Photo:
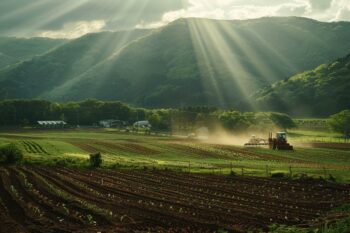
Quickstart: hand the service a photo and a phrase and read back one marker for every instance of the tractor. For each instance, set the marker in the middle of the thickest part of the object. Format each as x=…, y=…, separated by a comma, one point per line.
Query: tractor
x=279, y=142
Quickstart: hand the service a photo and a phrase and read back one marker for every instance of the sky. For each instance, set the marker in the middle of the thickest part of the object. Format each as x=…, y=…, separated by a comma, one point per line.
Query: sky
x=72, y=19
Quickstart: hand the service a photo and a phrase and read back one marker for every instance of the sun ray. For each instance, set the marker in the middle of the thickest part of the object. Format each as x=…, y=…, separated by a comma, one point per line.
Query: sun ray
x=219, y=49
x=202, y=55
x=113, y=44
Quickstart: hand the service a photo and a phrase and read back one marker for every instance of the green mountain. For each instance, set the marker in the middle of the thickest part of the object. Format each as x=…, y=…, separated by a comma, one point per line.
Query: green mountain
x=319, y=92
x=14, y=50
x=34, y=78
x=188, y=62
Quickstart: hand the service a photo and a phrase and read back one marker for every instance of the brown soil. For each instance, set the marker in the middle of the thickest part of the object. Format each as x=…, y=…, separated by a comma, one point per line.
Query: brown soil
x=41, y=199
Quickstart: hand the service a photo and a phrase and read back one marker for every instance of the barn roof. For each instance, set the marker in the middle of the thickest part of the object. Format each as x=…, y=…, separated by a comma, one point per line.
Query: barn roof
x=52, y=123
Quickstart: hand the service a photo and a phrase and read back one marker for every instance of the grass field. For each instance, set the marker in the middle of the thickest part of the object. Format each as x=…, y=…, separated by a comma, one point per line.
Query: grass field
x=72, y=148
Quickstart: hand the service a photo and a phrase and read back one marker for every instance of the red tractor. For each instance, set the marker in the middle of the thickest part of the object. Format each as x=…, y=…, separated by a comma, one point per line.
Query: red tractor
x=280, y=142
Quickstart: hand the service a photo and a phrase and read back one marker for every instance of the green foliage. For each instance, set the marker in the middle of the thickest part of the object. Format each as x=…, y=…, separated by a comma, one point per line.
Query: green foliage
x=339, y=226
x=318, y=92
x=10, y=154
x=237, y=121
x=89, y=112
x=340, y=123
x=14, y=50
x=95, y=160
x=282, y=120
x=181, y=64
x=286, y=229
x=278, y=175
x=63, y=64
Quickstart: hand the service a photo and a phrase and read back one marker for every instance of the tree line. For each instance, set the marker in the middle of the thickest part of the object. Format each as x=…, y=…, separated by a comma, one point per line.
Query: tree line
x=90, y=112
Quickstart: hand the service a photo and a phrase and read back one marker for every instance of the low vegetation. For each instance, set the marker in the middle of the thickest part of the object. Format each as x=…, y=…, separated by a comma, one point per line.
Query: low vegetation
x=95, y=160
x=340, y=123
x=10, y=154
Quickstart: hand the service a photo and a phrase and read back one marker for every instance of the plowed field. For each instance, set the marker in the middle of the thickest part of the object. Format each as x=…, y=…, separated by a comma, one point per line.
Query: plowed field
x=42, y=199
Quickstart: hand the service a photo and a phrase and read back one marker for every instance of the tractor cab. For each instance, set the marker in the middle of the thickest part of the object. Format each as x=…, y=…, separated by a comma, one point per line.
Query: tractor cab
x=281, y=136
x=279, y=142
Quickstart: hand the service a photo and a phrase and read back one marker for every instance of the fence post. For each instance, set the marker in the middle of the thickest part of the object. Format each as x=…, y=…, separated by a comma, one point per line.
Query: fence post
x=325, y=172
x=189, y=167
x=267, y=170
x=231, y=167
x=242, y=171
x=290, y=171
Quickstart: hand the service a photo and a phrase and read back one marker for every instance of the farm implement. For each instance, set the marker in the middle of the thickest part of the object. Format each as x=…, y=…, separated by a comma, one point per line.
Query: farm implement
x=275, y=143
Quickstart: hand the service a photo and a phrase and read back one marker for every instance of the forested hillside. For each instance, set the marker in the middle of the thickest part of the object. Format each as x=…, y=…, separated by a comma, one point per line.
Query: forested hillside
x=186, y=63
x=14, y=50
x=319, y=92
x=44, y=73
x=89, y=112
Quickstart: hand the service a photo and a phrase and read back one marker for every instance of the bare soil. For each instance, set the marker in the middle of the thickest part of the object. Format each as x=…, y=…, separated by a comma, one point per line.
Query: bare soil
x=42, y=199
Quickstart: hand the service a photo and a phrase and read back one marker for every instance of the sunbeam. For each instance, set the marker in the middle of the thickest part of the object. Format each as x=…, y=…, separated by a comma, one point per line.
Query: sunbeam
x=218, y=48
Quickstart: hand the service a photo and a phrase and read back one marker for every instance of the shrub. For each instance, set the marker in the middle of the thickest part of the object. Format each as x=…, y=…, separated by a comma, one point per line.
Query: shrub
x=95, y=160
x=10, y=154
x=278, y=175
x=340, y=226
x=232, y=173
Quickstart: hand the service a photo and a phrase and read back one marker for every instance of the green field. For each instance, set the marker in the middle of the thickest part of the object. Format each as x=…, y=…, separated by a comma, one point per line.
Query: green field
x=122, y=150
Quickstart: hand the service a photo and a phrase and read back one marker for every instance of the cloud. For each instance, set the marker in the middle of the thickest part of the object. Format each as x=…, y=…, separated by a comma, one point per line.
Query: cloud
x=320, y=4
x=343, y=14
x=323, y=10
x=26, y=18
x=75, y=29
x=233, y=9
x=60, y=18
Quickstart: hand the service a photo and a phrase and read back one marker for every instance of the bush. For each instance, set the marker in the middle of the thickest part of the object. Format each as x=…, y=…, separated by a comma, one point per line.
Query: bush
x=10, y=154
x=232, y=173
x=278, y=175
x=340, y=226
x=341, y=123
x=95, y=160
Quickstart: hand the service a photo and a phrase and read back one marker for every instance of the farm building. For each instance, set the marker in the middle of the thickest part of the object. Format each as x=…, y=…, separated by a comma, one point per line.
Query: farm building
x=52, y=124
x=112, y=123
x=142, y=125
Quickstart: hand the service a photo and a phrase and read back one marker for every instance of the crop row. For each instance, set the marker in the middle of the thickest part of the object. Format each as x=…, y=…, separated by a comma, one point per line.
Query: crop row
x=33, y=148
x=40, y=199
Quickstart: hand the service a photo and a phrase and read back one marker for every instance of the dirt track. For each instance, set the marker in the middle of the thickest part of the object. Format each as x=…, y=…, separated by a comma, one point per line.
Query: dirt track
x=41, y=199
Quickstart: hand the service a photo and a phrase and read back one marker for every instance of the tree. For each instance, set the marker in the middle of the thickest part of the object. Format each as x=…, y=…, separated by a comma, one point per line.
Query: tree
x=340, y=122
x=282, y=120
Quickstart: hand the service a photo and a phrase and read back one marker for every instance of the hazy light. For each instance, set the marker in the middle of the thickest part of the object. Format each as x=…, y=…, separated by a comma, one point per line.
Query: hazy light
x=76, y=29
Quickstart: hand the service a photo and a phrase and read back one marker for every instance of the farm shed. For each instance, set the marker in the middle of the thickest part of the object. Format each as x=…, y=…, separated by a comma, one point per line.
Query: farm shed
x=112, y=123
x=142, y=125
x=52, y=124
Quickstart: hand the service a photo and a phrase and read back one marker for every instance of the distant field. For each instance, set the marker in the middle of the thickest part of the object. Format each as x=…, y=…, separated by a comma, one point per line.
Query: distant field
x=120, y=150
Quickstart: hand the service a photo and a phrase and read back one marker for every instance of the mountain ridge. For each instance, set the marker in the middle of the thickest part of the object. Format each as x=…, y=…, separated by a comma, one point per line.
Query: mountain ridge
x=318, y=92
x=198, y=62
x=16, y=50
